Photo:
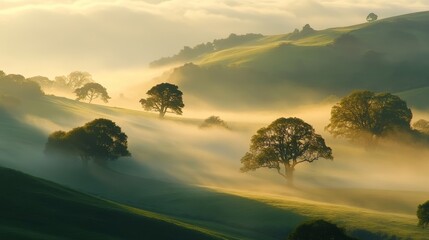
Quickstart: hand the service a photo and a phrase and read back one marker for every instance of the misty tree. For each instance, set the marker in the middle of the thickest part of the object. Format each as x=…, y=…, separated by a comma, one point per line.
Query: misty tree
x=422, y=126
x=214, y=121
x=318, y=229
x=371, y=17
x=365, y=113
x=282, y=145
x=91, y=91
x=423, y=214
x=17, y=86
x=100, y=140
x=44, y=82
x=163, y=98
x=77, y=79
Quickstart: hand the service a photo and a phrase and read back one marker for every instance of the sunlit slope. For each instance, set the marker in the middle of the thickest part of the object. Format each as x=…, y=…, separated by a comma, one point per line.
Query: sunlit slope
x=385, y=55
x=32, y=208
x=361, y=223
x=172, y=156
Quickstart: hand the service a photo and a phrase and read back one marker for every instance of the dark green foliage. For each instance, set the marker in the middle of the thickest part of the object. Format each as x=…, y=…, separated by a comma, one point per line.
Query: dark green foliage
x=17, y=86
x=319, y=230
x=214, y=121
x=285, y=143
x=306, y=31
x=99, y=140
x=371, y=17
x=91, y=91
x=163, y=98
x=422, y=126
x=423, y=214
x=365, y=113
x=189, y=54
x=32, y=208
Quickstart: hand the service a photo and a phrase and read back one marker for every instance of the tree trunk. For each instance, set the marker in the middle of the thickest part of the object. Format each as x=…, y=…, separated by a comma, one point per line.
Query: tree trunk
x=289, y=174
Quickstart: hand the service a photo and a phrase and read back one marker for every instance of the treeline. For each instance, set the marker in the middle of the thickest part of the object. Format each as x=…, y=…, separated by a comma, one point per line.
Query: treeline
x=191, y=53
x=14, y=87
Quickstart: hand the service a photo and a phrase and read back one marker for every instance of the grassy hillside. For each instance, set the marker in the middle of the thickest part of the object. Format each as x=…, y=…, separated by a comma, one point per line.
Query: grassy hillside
x=385, y=55
x=173, y=163
x=32, y=208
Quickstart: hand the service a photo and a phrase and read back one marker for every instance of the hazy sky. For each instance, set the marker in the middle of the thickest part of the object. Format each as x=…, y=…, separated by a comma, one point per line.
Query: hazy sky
x=54, y=37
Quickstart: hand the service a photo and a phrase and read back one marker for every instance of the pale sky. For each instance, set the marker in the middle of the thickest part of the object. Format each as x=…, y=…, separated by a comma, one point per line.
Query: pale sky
x=55, y=37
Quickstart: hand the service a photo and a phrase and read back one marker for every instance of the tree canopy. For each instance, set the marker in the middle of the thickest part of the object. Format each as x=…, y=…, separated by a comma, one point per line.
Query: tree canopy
x=422, y=126
x=319, y=229
x=371, y=17
x=77, y=79
x=163, y=98
x=423, y=214
x=214, y=121
x=99, y=140
x=285, y=143
x=364, y=113
x=17, y=86
x=91, y=91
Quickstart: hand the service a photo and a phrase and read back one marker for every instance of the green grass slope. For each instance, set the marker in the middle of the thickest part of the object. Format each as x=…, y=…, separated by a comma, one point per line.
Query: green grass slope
x=385, y=55
x=32, y=208
x=143, y=182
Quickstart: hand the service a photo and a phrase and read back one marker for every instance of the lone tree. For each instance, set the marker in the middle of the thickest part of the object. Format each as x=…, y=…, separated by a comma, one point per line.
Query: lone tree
x=100, y=140
x=77, y=79
x=91, y=91
x=371, y=17
x=364, y=113
x=163, y=98
x=285, y=143
x=319, y=229
x=423, y=214
x=214, y=121
x=422, y=126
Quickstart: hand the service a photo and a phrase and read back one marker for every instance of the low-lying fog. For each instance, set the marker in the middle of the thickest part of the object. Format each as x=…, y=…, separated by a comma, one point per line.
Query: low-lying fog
x=177, y=150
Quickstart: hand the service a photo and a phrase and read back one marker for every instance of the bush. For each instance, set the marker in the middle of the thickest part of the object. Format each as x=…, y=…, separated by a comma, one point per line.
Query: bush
x=318, y=229
x=214, y=121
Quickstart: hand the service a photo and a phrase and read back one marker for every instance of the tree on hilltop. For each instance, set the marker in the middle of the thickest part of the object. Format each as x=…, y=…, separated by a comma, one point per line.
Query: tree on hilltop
x=371, y=17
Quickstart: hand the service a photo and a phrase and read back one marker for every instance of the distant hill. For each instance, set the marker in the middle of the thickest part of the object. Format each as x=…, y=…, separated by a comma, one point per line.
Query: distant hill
x=308, y=66
x=32, y=208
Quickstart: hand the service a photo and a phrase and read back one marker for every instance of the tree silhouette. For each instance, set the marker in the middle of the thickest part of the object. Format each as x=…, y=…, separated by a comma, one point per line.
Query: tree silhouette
x=285, y=143
x=77, y=79
x=423, y=214
x=92, y=91
x=371, y=17
x=422, y=126
x=214, y=121
x=99, y=140
x=319, y=229
x=364, y=113
x=163, y=98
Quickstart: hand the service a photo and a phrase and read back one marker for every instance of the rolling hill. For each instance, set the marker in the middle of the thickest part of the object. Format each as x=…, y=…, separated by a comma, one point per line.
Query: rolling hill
x=309, y=66
x=32, y=208
x=188, y=177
